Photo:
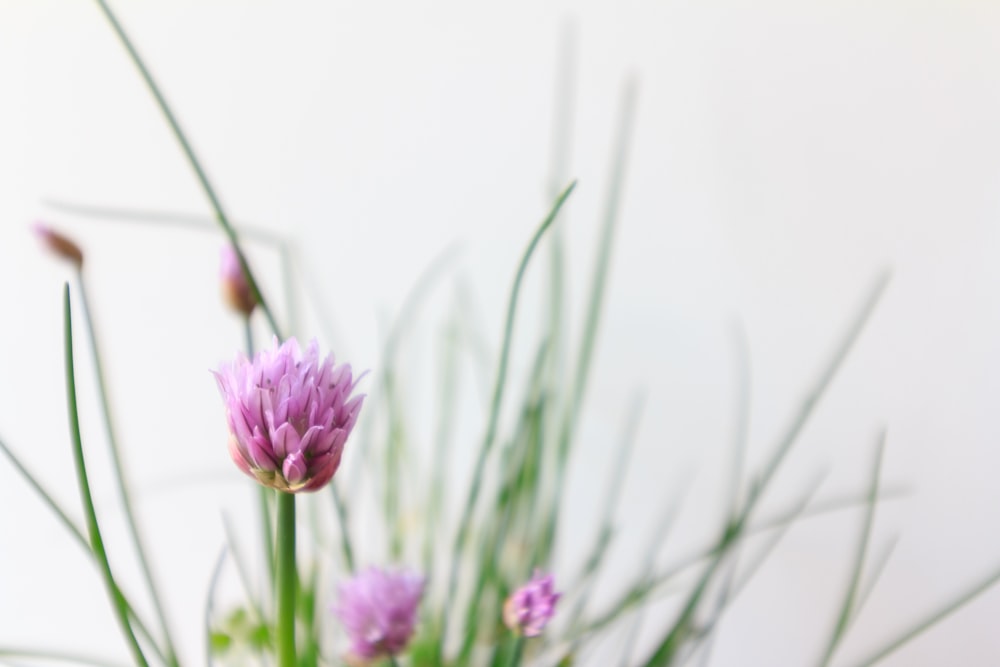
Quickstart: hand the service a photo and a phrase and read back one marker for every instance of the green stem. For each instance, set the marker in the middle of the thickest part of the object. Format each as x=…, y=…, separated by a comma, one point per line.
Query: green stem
x=192, y=159
x=119, y=467
x=491, y=429
x=93, y=530
x=515, y=654
x=286, y=580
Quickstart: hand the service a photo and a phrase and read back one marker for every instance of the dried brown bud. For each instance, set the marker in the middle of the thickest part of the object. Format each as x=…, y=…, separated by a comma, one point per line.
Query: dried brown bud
x=59, y=244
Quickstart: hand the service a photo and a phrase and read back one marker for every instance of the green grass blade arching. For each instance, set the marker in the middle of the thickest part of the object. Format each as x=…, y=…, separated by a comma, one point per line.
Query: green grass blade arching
x=192, y=159
x=78, y=537
x=932, y=619
x=93, y=530
x=138, y=543
x=671, y=642
x=847, y=608
x=494, y=414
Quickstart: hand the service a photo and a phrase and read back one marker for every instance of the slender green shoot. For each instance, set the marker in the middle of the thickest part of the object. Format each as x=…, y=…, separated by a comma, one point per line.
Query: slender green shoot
x=78, y=537
x=932, y=619
x=286, y=581
x=192, y=159
x=138, y=543
x=848, y=607
x=93, y=530
x=494, y=415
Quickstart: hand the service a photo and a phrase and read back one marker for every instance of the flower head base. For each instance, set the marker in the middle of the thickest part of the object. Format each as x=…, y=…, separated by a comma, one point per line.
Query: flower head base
x=528, y=610
x=289, y=415
x=379, y=611
x=59, y=244
x=235, y=289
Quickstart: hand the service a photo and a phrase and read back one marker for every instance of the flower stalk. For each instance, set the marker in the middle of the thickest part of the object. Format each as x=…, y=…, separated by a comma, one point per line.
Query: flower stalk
x=286, y=580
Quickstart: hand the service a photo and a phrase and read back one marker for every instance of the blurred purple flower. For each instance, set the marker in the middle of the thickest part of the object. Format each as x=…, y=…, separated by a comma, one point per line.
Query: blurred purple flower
x=379, y=611
x=235, y=288
x=289, y=415
x=530, y=607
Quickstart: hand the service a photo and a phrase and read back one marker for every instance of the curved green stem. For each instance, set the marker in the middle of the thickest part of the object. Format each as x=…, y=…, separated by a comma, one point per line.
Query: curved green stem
x=120, y=477
x=192, y=159
x=96, y=543
x=489, y=438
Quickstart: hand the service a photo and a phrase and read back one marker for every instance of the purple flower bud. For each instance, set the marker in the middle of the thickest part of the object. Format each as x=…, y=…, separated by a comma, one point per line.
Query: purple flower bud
x=235, y=289
x=59, y=244
x=529, y=608
x=379, y=611
x=289, y=415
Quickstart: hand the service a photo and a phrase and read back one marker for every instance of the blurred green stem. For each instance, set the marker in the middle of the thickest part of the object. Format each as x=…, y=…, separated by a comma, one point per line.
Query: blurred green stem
x=285, y=629
x=93, y=530
x=192, y=159
x=491, y=429
x=116, y=459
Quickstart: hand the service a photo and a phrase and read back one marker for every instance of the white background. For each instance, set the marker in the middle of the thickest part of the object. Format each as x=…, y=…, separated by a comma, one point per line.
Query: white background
x=784, y=153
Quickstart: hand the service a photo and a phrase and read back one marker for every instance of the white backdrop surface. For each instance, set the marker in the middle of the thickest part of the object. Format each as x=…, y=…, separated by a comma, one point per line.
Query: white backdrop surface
x=784, y=154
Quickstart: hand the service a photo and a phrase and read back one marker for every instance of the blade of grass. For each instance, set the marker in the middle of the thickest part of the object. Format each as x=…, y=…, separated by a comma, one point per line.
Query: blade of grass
x=932, y=619
x=733, y=586
x=640, y=592
x=847, y=608
x=93, y=530
x=192, y=159
x=678, y=633
x=877, y=570
x=494, y=415
x=79, y=538
x=124, y=493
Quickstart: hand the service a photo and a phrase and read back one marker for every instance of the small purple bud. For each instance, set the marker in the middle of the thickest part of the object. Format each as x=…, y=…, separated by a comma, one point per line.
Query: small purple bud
x=235, y=289
x=59, y=244
x=289, y=415
x=379, y=611
x=531, y=607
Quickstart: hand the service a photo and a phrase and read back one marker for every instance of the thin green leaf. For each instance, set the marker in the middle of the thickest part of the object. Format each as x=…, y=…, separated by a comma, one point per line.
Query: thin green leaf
x=121, y=480
x=78, y=536
x=494, y=416
x=932, y=619
x=93, y=530
x=192, y=159
x=847, y=608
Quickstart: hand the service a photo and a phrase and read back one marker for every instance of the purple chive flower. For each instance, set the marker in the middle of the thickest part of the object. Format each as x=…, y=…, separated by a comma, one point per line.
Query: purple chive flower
x=530, y=607
x=379, y=611
x=235, y=288
x=289, y=415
